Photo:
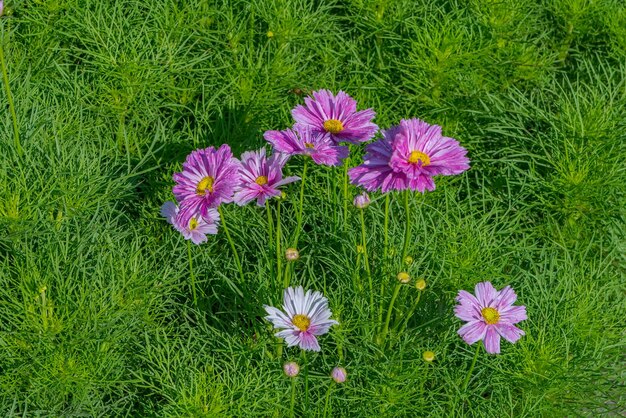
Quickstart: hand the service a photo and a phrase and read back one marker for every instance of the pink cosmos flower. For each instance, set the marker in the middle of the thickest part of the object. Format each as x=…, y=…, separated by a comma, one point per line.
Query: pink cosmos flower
x=489, y=315
x=337, y=116
x=208, y=179
x=420, y=151
x=305, y=316
x=302, y=140
x=375, y=173
x=260, y=177
x=408, y=157
x=196, y=229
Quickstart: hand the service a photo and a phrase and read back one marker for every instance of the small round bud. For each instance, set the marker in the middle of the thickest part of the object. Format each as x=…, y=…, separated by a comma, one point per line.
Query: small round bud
x=428, y=356
x=339, y=374
x=408, y=260
x=270, y=34
x=42, y=288
x=360, y=249
x=391, y=252
x=362, y=201
x=420, y=284
x=403, y=277
x=291, y=369
x=283, y=196
x=291, y=254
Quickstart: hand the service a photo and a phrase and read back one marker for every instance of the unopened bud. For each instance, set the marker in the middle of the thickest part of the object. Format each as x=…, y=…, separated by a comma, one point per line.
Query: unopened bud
x=291, y=254
x=291, y=369
x=362, y=201
x=420, y=284
x=403, y=277
x=339, y=374
x=428, y=356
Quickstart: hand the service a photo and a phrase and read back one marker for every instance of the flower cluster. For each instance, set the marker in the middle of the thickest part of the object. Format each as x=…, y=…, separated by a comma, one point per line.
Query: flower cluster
x=407, y=157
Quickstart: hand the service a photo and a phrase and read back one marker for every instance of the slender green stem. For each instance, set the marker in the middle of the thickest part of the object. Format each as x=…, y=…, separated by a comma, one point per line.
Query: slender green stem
x=299, y=217
x=193, y=276
x=407, y=230
x=345, y=196
x=326, y=404
x=386, y=225
x=469, y=373
x=270, y=223
x=232, y=244
x=396, y=291
x=365, y=258
x=293, y=397
x=385, y=257
x=5, y=78
x=279, y=255
x=305, y=364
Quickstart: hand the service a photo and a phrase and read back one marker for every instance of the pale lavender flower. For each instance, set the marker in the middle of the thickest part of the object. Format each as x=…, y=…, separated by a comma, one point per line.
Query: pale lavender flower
x=305, y=316
x=303, y=141
x=336, y=116
x=196, y=229
x=489, y=315
x=339, y=374
x=362, y=201
x=260, y=177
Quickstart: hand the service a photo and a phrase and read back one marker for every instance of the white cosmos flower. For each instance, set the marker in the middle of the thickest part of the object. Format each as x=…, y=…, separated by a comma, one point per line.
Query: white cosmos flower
x=305, y=316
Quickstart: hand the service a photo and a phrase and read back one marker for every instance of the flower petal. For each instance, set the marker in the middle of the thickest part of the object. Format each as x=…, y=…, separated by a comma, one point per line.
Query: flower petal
x=472, y=331
x=492, y=340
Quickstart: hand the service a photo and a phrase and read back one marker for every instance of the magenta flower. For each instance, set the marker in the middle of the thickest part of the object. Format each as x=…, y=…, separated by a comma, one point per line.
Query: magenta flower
x=408, y=157
x=1, y=7
x=306, y=316
x=336, y=116
x=303, y=141
x=208, y=179
x=489, y=315
x=260, y=177
x=420, y=151
x=375, y=173
x=196, y=229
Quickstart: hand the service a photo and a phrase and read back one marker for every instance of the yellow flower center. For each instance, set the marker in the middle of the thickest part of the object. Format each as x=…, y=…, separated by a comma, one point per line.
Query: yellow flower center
x=309, y=145
x=261, y=180
x=193, y=224
x=302, y=322
x=333, y=126
x=204, y=185
x=419, y=156
x=491, y=315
